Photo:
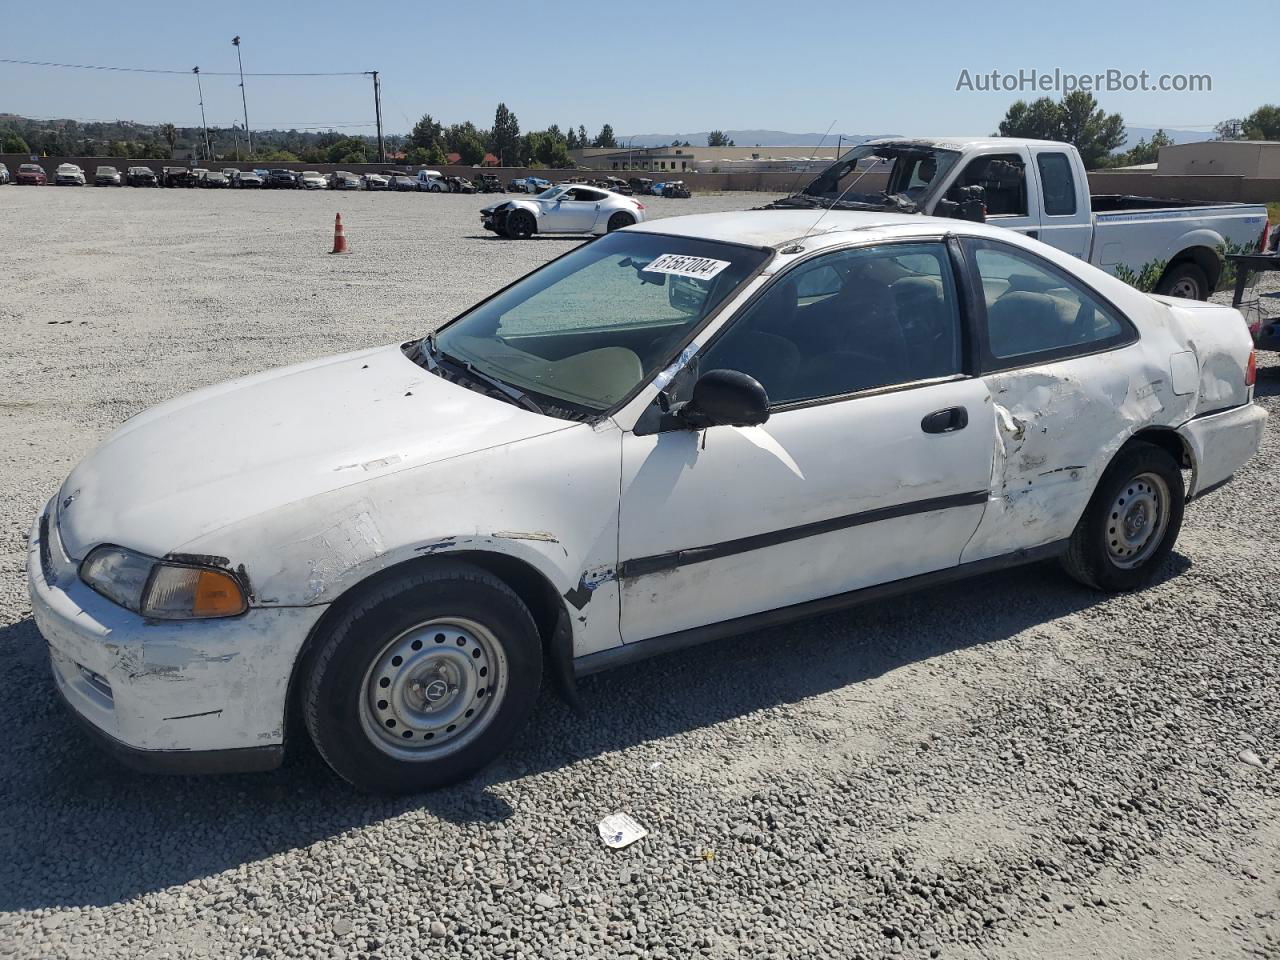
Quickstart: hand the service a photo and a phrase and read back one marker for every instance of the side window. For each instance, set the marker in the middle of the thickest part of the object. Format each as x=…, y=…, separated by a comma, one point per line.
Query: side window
x=1057, y=183
x=1003, y=177
x=1034, y=310
x=848, y=321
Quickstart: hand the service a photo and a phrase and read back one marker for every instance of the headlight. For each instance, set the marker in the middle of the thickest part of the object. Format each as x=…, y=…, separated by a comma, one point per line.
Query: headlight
x=167, y=591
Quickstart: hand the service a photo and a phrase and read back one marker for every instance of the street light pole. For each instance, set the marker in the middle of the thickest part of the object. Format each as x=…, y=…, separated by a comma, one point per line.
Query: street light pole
x=245, y=103
x=203, y=123
x=377, y=109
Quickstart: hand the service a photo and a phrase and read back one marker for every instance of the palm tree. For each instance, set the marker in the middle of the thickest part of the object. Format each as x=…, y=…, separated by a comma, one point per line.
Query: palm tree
x=170, y=134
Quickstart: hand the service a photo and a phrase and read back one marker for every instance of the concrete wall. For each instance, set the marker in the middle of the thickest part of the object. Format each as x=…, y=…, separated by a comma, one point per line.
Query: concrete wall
x=1236, y=158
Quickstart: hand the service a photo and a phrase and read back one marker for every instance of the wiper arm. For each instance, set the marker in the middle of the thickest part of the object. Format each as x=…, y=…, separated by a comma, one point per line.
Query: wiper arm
x=434, y=355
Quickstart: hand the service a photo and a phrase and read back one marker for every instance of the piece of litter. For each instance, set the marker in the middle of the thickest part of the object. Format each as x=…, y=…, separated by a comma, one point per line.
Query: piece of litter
x=618, y=830
x=1251, y=758
x=655, y=765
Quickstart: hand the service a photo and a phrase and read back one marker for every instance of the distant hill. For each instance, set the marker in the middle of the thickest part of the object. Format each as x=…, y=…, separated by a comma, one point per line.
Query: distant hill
x=1134, y=134
x=750, y=138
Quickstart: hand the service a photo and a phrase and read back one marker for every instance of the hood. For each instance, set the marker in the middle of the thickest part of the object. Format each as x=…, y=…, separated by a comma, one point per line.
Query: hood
x=225, y=453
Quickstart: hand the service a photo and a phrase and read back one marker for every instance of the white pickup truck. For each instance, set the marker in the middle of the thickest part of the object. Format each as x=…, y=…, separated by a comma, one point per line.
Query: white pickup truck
x=1040, y=188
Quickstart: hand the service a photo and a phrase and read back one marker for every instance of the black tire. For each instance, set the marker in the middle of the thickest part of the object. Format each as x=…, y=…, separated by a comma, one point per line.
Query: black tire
x=620, y=220
x=1090, y=556
x=1185, y=280
x=334, y=676
x=521, y=225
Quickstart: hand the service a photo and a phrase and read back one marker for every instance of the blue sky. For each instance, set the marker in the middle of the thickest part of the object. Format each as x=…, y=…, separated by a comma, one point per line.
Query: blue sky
x=885, y=67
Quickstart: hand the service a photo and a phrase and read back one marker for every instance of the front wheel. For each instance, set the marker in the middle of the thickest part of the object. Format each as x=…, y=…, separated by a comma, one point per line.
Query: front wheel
x=520, y=225
x=424, y=679
x=1131, y=523
x=1185, y=280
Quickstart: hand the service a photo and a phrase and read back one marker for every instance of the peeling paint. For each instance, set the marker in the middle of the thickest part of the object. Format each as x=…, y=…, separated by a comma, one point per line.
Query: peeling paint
x=581, y=595
x=192, y=716
x=541, y=535
x=436, y=546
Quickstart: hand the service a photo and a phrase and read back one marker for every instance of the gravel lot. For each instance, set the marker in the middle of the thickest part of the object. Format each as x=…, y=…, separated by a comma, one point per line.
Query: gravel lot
x=1011, y=767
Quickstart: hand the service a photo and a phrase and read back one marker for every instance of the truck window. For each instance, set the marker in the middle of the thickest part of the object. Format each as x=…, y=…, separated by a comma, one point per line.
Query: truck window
x=1058, y=184
x=1004, y=178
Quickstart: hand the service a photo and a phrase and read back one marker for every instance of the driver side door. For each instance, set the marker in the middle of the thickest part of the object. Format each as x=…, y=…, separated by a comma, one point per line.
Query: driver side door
x=874, y=465
x=571, y=212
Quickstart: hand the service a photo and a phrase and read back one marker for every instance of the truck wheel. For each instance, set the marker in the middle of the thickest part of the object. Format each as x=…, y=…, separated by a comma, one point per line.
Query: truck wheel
x=620, y=220
x=1184, y=280
x=1131, y=523
x=423, y=679
x=520, y=225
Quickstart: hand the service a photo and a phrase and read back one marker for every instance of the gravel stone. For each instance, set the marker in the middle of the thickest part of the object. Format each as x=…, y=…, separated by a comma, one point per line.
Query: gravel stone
x=965, y=772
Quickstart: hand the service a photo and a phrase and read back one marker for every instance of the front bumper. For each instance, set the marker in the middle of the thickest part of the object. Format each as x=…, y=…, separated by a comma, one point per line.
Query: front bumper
x=1220, y=443
x=169, y=696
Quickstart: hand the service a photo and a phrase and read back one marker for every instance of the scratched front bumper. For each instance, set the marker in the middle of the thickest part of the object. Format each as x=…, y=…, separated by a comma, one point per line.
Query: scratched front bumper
x=202, y=688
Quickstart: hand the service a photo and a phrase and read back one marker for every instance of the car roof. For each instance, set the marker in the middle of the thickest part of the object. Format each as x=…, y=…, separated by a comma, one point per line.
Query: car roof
x=779, y=228
x=966, y=142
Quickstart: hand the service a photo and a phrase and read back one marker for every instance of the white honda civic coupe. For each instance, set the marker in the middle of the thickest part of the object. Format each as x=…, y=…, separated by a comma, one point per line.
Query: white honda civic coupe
x=674, y=433
x=565, y=208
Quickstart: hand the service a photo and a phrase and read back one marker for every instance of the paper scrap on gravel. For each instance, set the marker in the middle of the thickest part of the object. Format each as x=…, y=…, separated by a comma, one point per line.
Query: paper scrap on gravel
x=618, y=830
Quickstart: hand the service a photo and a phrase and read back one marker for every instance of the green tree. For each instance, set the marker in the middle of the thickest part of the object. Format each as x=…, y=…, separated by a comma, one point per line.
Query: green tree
x=348, y=150
x=426, y=133
x=717, y=138
x=1076, y=119
x=11, y=142
x=1263, y=123
x=118, y=148
x=466, y=141
x=169, y=133
x=605, y=138
x=506, y=135
x=571, y=140
x=1228, y=129
x=583, y=140
x=1145, y=152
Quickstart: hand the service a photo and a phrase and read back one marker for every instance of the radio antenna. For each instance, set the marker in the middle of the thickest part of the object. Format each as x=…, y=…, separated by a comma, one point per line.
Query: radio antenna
x=809, y=161
x=878, y=161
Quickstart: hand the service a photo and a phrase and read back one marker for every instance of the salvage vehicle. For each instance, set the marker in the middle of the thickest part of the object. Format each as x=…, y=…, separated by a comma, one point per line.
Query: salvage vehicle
x=177, y=177
x=460, y=185
x=141, y=177
x=280, y=179
x=678, y=432
x=68, y=175
x=489, y=183
x=4, y=174
x=432, y=181
x=374, y=181
x=1040, y=188
x=247, y=180
x=569, y=208
x=213, y=180
x=343, y=180
x=312, y=180
x=402, y=182
x=31, y=174
x=106, y=177
x=676, y=189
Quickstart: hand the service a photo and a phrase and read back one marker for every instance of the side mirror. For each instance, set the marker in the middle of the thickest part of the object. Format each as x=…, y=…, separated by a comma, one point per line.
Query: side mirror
x=725, y=398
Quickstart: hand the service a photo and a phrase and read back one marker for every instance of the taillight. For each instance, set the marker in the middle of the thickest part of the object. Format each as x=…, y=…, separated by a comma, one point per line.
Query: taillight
x=1251, y=369
x=639, y=205
x=1266, y=235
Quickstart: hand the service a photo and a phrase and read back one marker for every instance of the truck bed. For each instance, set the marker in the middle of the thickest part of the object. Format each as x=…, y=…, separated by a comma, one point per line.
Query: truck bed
x=1122, y=203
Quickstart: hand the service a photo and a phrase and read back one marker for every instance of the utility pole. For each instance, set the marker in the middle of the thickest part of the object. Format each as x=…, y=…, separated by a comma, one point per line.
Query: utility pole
x=208, y=153
x=245, y=103
x=235, y=132
x=377, y=110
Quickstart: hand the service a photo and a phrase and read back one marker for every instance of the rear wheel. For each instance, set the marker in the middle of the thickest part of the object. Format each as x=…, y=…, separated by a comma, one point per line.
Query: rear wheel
x=620, y=220
x=1184, y=280
x=1132, y=522
x=423, y=680
x=520, y=225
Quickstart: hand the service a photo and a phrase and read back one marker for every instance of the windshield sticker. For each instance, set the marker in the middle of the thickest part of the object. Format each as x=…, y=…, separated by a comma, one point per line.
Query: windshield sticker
x=680, y=265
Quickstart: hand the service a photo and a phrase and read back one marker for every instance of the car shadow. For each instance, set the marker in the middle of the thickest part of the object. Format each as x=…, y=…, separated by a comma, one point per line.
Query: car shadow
x=1267, y=383
x=537, y=238
x=145, y=833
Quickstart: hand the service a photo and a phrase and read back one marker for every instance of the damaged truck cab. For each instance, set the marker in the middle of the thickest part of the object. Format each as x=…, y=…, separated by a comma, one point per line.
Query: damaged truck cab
x=676, y=432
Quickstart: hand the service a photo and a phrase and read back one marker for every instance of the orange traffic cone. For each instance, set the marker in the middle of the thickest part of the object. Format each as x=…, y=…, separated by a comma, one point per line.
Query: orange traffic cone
x=339, y=238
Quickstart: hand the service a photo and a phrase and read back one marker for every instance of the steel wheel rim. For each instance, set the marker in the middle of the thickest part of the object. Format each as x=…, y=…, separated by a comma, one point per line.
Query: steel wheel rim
x=1137, y=520
x=1186, y=288
x=433, y=689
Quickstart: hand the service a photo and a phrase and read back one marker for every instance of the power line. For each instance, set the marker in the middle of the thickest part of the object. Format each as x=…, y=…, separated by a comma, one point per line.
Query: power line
x=207, y=73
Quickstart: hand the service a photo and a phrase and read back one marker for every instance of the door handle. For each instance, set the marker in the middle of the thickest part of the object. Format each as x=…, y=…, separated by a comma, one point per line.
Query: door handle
x=945, y=421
